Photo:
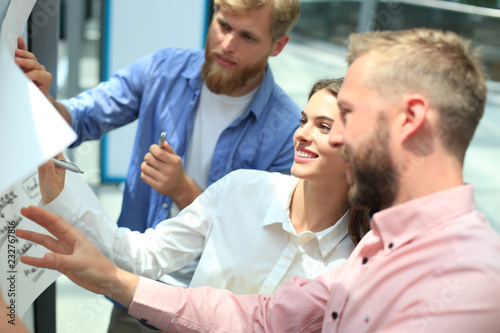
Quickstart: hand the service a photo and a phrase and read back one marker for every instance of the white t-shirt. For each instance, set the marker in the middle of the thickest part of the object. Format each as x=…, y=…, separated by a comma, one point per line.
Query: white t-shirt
x=215, y=113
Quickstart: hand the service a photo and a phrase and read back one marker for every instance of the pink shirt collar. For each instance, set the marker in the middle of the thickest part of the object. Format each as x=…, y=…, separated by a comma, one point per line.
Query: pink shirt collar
x=392, y=226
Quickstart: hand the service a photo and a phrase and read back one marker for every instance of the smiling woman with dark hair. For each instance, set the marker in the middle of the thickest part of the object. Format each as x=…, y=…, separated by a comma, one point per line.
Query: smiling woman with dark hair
x=253, y=229
x=429, y=245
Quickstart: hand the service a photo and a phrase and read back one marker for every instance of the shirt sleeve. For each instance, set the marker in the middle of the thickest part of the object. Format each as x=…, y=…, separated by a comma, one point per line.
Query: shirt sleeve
x=297, y=306
x=284, y=160
x=110, y=104
x=171, y=245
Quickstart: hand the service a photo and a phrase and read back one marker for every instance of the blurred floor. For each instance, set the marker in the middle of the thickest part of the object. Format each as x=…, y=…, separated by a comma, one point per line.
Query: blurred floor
x=295, y=69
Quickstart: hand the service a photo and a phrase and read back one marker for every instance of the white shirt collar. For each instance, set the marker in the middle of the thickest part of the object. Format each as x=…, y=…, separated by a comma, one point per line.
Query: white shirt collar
x=327, y=239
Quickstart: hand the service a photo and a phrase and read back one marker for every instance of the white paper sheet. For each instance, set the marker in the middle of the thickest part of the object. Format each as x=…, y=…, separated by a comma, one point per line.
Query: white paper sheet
x=14, y=22
x=31, y=130
x=22, y=284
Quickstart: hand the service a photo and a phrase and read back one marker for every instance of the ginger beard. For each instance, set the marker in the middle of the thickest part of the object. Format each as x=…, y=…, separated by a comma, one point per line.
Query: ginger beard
x=373, y=180
x=224, y=80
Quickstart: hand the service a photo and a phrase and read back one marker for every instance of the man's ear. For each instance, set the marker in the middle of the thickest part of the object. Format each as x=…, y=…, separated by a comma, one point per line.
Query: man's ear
x=414, y=113
x=279, y=45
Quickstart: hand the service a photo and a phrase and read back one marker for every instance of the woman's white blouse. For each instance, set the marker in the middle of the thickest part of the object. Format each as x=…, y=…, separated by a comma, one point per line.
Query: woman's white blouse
x=240, y=225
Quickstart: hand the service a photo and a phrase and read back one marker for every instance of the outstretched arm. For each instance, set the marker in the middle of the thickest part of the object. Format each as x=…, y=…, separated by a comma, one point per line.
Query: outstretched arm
x=75, y=256
x=167, y=307
x=298, y=305
x=133, y=251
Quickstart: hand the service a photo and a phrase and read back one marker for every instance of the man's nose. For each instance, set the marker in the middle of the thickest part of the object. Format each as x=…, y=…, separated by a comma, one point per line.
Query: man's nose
x=336, y=138
x=229, y=42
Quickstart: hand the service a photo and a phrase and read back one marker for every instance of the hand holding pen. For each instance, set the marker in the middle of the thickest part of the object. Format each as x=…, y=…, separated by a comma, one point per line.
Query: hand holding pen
x=162, y=168
x=66, y=165
x=51, y=178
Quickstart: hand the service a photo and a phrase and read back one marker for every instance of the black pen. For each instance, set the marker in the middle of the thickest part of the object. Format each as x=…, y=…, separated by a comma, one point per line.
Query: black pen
x=66, y=165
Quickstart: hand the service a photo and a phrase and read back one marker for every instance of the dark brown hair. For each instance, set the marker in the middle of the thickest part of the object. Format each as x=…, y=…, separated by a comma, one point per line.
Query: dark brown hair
x=358, y=217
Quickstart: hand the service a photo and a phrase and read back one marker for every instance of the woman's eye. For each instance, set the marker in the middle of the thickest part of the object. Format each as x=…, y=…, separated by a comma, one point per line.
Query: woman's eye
x=303, y=121
x=325, y=127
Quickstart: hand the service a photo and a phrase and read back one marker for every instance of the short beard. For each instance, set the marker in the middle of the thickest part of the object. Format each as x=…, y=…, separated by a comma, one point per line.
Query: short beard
x=221, y=80
x=374, y=181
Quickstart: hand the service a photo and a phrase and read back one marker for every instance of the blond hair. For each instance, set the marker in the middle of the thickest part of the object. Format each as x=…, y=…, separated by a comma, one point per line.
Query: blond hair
x=440, y=65
x=284, y=13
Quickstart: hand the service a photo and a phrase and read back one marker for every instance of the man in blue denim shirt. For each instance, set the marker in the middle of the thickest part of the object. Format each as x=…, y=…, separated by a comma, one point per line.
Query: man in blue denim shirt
x=220, y=107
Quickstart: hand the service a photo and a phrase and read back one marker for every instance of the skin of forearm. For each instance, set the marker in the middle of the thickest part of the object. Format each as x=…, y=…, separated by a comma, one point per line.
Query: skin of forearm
x=121, y=287
x=190, y=191
x=61, y=109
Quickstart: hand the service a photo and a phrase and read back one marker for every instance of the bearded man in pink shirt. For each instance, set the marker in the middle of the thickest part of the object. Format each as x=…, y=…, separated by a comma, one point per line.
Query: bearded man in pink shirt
x=410, y=104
